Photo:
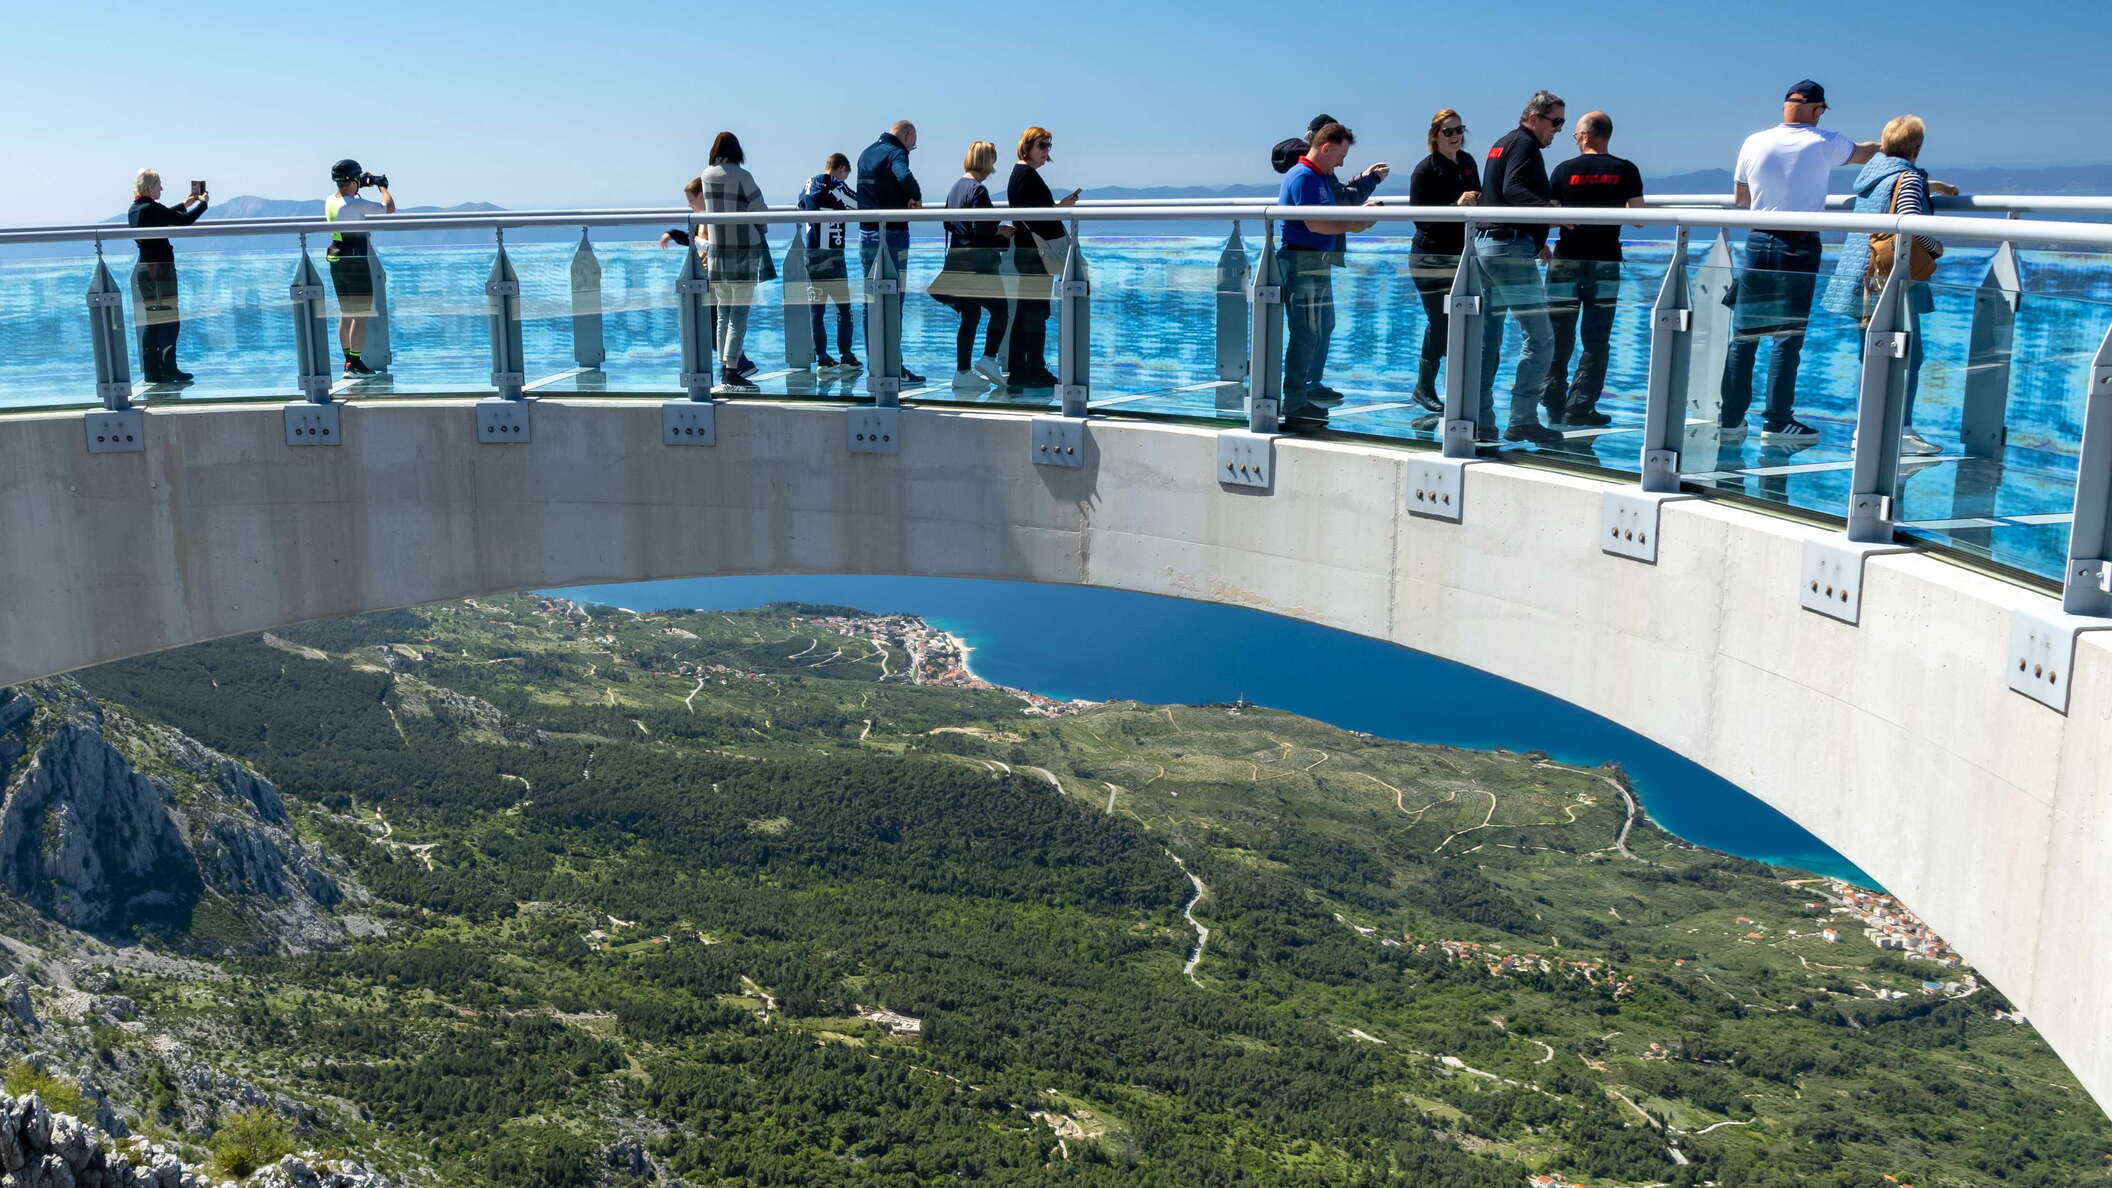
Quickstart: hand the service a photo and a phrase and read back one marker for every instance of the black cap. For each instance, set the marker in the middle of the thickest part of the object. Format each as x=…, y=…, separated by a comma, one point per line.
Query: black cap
x=345, y=170
x=1806, y=92
x=1320, y=121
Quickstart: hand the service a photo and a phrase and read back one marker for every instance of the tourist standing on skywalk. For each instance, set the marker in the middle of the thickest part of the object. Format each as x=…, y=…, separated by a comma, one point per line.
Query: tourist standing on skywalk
x=885, y=182
x=1584, y=279
x=1510, y=254
x=1311, y=250
x=828, y=277
x=738, y=253
x=693, y=194
x=1037, y=254
x=154, y=308
x=1447, y=177
x=1780, y=168
x=1892, y=183
x=351, y=272
x=970, y=283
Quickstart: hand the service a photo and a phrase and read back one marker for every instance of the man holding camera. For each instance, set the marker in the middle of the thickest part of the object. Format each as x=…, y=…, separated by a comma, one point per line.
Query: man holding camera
x=351, y=272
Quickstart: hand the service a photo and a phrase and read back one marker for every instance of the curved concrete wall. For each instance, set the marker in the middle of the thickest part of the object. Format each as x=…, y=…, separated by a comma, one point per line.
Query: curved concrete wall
x=1896, y=741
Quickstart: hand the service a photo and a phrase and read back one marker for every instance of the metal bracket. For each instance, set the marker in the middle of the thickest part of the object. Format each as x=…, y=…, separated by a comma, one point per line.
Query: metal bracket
x=502, y=288
x=1437, y=487
x=312, y=424
x=1456, y=438
x=696, y=379
x=1059, y=441
x=875, y=431
x=1891, y=344
x=1830, y=581
x=117, y=390
x=1246, y=459
x=689, y=422
x=117, y=431
x=502, y=421
x=696, y=285
x=1074, y=288
x=1269, y=294
x=105, y=300
x=1070, y=394
x=1679, y=320
x=1466, y=303
x=300, y=293
x=2042, y=654
x=884, y=385
x=883, y=286
x=500, y=379
x=1629, y=522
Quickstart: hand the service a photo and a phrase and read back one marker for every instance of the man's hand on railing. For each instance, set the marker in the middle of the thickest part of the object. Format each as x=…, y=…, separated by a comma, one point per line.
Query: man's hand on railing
x=1470, y=198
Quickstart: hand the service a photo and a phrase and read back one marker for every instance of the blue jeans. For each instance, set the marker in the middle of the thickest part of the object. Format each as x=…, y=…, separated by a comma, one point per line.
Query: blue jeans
x=1773, y=300
x=886, y=356
x=1513, y=269
x=1309, y=303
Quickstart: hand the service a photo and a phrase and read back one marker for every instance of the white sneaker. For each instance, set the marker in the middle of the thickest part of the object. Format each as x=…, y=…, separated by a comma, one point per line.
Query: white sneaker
x=1912, y=442
x=970, y=379
x=987, y=368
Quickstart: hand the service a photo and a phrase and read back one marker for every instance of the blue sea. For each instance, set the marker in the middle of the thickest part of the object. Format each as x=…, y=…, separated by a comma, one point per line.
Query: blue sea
x=1077, y=642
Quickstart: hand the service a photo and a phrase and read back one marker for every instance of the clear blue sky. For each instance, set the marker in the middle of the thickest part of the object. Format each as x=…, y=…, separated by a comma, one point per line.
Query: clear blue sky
x=614, y=102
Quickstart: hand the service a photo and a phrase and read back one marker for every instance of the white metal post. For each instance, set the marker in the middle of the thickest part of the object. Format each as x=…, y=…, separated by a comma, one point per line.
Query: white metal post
x=1074, y=330
x=1880, y=414
x=2086, y=588
x=799, y=303
x=693, y=320
x=502, y=293
x=106, y=326
x=311, y=329
x=1232, y=309
x=1671, y=360
x=883, y=328
x=1265, y=338
x=1463, y=327
x=588, y=346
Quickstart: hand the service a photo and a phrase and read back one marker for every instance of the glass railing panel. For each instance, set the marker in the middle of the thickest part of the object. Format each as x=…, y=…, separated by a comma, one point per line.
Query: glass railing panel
x=423, y=329
x=2007, y=500
x=1800, y=374
x=47, y=356
x=1599, y=312
x=233, y=331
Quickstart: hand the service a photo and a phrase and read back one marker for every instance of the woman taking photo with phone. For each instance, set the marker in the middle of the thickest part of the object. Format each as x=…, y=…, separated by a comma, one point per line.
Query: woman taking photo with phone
x=154, y=308
x=1035, y=243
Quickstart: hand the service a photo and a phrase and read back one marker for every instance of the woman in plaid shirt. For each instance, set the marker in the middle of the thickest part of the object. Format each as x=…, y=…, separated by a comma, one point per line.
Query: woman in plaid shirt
x=738, y=253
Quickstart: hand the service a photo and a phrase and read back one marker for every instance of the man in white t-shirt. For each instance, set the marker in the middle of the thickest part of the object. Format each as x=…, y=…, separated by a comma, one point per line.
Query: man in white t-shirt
x=351, y=272
x=1780, y=168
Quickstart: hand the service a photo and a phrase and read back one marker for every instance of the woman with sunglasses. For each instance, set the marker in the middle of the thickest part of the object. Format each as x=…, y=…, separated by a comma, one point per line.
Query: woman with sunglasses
x=1447, y=177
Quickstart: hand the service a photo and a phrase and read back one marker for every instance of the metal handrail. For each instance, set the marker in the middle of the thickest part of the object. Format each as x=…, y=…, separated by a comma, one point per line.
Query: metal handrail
x=1942, y=226
x=2006, y=204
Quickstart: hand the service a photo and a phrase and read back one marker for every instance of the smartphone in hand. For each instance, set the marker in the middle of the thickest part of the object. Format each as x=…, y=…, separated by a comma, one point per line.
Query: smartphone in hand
x=197, y=188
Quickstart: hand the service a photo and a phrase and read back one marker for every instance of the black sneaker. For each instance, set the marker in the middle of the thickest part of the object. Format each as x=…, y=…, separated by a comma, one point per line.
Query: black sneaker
x=746, y=367
x=1531, y=431
x=1428, y=400
x=849, y=362
x=355, y=366
x=1323, y=396
x=823, y=362
x=178, y=377
x=1789, y=430
x=1583, y=413
x=910, y=378
x=734, y=383
x=1485, y=433
x=1305, y=424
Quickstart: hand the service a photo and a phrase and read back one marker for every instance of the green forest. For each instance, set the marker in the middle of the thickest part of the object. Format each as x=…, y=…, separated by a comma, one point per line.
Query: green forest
x=732, y=899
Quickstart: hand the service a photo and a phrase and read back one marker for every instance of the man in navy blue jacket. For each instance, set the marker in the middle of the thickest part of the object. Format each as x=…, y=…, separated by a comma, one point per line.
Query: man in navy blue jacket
x=886, y=183
x=825, y=271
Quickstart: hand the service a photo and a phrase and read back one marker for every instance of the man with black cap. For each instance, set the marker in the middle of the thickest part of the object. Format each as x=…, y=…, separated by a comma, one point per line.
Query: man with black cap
x=1780, y=168
x=351, y=273
x=1354, y=192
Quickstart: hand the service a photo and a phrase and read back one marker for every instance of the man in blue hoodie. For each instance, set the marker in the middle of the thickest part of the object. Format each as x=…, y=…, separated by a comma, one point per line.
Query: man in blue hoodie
x=886, y=183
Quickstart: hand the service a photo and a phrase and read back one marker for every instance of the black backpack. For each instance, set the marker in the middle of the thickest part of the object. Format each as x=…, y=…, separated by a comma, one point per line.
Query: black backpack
x=1286, y=153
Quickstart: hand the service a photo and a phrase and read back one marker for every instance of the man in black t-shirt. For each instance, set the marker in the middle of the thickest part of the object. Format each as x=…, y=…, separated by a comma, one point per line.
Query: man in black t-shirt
x=1584, y=281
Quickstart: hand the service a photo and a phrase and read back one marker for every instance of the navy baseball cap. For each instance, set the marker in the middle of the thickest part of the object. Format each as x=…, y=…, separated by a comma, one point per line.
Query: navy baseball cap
x=1806, y=92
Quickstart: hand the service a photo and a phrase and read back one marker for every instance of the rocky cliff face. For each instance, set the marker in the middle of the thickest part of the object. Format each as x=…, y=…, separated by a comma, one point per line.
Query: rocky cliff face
x=40, y=1149
x=121, y=828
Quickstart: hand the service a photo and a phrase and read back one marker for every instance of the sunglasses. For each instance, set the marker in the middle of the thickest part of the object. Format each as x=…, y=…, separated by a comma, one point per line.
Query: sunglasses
x=1555, y=122
x=1459, y=131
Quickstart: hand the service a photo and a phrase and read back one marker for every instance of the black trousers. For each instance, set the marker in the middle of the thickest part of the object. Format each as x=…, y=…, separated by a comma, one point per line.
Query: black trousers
x=1433, y=283
x=1028, y=352
x=1586, y=291
x=159, y=320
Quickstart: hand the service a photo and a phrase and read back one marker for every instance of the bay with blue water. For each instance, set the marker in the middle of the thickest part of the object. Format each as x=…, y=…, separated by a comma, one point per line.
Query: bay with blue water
x=1071, y=642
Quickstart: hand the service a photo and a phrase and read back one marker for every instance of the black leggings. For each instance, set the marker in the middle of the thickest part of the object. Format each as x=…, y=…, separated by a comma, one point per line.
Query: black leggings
x=155, y=313
x=971, y=310
x=1030, y=324
x=1433, y=283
